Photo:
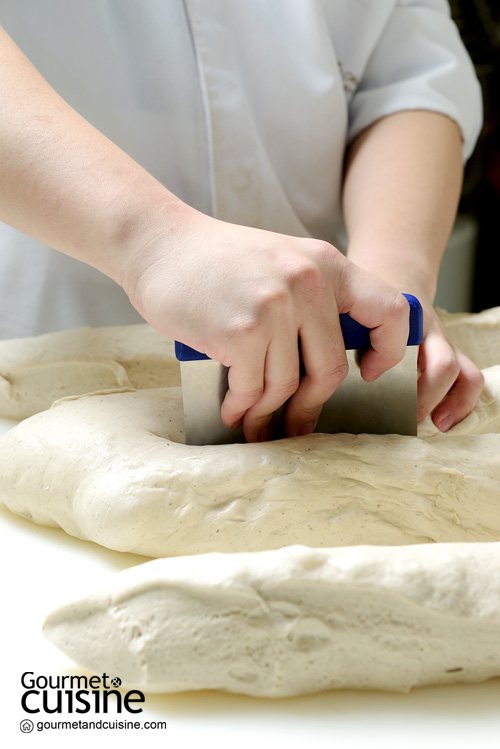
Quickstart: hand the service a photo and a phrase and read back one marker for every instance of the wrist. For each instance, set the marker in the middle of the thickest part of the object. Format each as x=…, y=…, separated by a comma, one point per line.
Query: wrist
x=144, y=217
x=405, y=268
x=154, y=232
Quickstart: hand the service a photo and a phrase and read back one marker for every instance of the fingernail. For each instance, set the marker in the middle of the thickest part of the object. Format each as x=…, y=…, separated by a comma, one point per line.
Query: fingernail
x=237, y=424
x=445, y=423
x=306, y=429
x=265, y=433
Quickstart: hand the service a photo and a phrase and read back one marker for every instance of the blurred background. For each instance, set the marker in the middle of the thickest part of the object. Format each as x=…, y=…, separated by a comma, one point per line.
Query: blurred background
x=469, y=279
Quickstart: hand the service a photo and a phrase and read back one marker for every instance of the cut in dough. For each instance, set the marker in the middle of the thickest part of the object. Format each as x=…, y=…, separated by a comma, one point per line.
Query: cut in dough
x=34, y=372
x=110, y=468
x=298, y=620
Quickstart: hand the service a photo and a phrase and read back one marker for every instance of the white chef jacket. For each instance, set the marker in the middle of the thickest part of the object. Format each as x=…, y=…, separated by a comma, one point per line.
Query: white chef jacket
x=242, y=108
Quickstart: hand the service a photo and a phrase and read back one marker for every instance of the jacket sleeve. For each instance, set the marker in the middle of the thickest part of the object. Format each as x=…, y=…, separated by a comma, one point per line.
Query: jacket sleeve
x=419, y=62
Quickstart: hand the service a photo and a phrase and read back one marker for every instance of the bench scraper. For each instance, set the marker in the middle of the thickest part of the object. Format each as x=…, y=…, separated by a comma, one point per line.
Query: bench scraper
x=386, y=406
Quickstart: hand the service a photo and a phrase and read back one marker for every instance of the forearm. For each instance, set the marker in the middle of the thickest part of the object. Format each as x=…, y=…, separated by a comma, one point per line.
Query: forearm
x=402, y=185
x=62, y=181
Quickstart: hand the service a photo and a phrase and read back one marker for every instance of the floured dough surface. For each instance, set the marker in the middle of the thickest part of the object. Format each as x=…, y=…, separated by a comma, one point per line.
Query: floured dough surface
x=293, y=621
x=476, y=334
x=34, y=372
x=110, y=468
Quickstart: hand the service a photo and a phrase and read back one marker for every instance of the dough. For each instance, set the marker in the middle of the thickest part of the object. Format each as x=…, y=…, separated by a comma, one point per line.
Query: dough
x=298, y=620
x=34, y=372
x=477, y=335
x=414, y=599
x=109, y=467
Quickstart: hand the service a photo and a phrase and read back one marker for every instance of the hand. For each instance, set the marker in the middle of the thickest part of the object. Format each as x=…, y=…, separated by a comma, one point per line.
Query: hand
x=450, y=384
x=245, y=296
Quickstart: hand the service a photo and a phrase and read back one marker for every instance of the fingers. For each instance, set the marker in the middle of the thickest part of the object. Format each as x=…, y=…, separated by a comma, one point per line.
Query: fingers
x=461, y=398
x=245, y=388
x=449, y=384
x=387, y=343
x=314, y=317
x=325, y=363
x=305, y=302
x=274, y=290
x=266, y=374
x=281, y=378
x=385, y=311
x=265, y=370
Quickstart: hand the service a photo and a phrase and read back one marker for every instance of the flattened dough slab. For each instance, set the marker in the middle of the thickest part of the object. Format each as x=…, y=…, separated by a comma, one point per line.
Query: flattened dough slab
x=298, y=620
x=34, y=372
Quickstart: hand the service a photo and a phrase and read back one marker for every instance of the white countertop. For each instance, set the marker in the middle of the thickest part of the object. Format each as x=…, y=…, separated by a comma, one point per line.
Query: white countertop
x=43, y=567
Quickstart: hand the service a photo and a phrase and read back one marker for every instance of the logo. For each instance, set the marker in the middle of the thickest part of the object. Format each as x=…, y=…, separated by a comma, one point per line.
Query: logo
x=26, y=726
x=75, y=694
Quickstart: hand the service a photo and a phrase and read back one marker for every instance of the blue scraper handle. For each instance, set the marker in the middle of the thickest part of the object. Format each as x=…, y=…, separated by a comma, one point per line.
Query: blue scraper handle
x=356, y=336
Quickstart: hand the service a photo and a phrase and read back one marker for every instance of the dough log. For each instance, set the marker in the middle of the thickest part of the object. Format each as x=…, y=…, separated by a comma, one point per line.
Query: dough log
x=294, y=621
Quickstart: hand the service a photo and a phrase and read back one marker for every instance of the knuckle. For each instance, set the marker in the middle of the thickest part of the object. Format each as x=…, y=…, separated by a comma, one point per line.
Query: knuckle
x=306, y=276
x=242, y=327
x=322, y=250
x=334, y=375
x=247, y=397
x=447, y=367
x=302, y=268
x=401, y=307
x=272, y=297
x=393, y=358
x=253, y=395
x=476, y=379
x=466, y=395
x=286, y=389
x=398, y=312
x=309, y=411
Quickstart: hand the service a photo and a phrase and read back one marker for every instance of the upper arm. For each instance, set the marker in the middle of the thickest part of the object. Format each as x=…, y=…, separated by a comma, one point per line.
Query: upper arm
x=418, y=61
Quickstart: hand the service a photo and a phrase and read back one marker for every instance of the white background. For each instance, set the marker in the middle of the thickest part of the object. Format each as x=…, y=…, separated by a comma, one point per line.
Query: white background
x=43, y=567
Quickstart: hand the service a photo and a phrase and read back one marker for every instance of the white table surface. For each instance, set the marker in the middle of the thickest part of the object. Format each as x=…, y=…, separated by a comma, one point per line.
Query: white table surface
x=42, y=567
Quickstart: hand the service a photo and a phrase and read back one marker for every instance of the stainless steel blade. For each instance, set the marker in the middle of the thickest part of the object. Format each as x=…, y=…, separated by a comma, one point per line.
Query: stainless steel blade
x=386, y=406
x=204, y=386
